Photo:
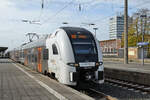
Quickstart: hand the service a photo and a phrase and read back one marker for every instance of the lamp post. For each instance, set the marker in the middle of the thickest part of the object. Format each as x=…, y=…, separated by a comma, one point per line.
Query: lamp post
x=89, y=24
x=95, y=30
x=142, y=32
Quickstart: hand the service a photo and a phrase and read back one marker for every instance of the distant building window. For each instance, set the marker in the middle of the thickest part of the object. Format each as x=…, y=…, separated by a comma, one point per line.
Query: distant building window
x=55, y=51
x=111, y=50
x=105, y=49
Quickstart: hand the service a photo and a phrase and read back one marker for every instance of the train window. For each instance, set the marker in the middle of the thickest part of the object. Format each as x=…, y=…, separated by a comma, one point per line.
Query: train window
x=45, y=54
x=84, y=48
x=28, y=58
x=55, y=51
x=23, y=55
x=56, y=33
x=35, y=59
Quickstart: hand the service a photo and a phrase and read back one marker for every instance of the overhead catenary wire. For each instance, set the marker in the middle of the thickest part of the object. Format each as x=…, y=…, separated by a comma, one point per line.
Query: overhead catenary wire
x=80, y=8
x=101, y=19
x=42, y=8
x=41, y=12
x=51, y=17
x=44, y=5
x=140, y=4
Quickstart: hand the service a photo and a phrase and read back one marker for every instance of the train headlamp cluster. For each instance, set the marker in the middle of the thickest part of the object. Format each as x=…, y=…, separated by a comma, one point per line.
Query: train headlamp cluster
x=73, y=64
x=77, y=65
x=99, y=63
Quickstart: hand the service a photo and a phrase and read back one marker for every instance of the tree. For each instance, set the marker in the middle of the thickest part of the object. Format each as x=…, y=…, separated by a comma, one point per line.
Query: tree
x=132, y=37
x=139, y=25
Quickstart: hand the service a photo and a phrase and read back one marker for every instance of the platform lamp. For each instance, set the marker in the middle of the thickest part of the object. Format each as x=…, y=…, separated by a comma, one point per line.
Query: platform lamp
x=65, y=23
x=143, y=33
x=89, y=24
x=95, y=30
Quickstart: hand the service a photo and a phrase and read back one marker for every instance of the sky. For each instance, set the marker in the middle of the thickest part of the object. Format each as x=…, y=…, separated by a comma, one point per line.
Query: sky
x=13, y=30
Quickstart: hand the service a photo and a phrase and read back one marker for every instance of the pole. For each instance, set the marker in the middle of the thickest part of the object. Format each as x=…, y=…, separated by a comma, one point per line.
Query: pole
x=95, y=33
x=143, y=32
x=126, y=32
x=142, y=46
x=95, y=30
x=143, y=55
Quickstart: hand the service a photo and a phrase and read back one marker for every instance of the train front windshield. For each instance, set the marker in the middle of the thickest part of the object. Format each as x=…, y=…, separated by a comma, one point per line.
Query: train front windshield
x=84, y=47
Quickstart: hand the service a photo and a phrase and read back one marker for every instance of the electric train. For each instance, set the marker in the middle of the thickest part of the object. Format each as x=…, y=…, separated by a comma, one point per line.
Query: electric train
x=71, y=54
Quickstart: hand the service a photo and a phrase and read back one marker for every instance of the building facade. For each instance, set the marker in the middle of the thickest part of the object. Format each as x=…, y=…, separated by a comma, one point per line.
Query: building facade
x=110, y=47
x=116, y=27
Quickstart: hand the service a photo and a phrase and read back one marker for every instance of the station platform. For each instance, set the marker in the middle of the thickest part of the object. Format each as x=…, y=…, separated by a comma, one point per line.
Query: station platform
x=132, y=72
x=132, y=66
x=18, y=82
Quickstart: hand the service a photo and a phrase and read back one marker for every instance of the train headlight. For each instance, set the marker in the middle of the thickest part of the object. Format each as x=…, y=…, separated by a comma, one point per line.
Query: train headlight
x=76, y=65
x=71, y=76
x=70, y=64
x=73, y=64
x=99, y=63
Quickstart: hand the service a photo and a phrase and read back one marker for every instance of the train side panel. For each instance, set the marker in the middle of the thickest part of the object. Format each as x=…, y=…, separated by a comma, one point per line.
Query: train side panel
x=34, y=58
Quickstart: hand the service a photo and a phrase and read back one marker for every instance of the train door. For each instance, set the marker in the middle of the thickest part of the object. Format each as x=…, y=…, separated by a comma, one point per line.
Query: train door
x=35, y=59
x=26, y=58
x=39, y=60
x=56, y=57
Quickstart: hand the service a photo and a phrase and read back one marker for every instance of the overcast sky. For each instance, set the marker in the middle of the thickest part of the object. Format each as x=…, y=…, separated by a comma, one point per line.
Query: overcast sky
x=54, y=13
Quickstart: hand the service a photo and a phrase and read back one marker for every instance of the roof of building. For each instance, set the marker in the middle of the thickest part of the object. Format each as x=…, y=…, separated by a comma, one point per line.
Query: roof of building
x=109, y=40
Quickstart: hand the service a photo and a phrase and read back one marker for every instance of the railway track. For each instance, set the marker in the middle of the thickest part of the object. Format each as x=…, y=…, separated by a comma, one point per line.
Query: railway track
x=97, y=95
x=129, y=85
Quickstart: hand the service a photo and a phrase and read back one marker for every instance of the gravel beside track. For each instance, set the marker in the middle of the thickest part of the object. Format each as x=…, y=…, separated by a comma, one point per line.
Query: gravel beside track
x=122, y=93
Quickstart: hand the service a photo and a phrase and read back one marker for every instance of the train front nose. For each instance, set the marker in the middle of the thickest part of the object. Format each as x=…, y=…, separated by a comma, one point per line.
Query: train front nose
x=86, y=75
x=87, y=71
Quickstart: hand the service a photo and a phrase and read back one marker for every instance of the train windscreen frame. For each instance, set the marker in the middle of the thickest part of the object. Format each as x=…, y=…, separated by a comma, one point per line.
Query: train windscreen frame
x=84, y=45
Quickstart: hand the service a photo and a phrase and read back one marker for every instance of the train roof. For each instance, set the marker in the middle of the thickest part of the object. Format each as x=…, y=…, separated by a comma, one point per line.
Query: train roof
x=74, y=29
x=36, y=43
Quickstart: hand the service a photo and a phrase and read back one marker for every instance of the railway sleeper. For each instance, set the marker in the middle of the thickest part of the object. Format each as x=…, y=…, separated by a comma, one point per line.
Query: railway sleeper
x=130, y=85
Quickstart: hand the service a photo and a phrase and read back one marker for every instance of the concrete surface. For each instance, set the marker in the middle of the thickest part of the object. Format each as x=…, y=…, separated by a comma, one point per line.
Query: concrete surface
x=16, y=85
x=18, y=82
x=136, y=67
x=61, y=91
x=133, y=72
x=146, y=60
